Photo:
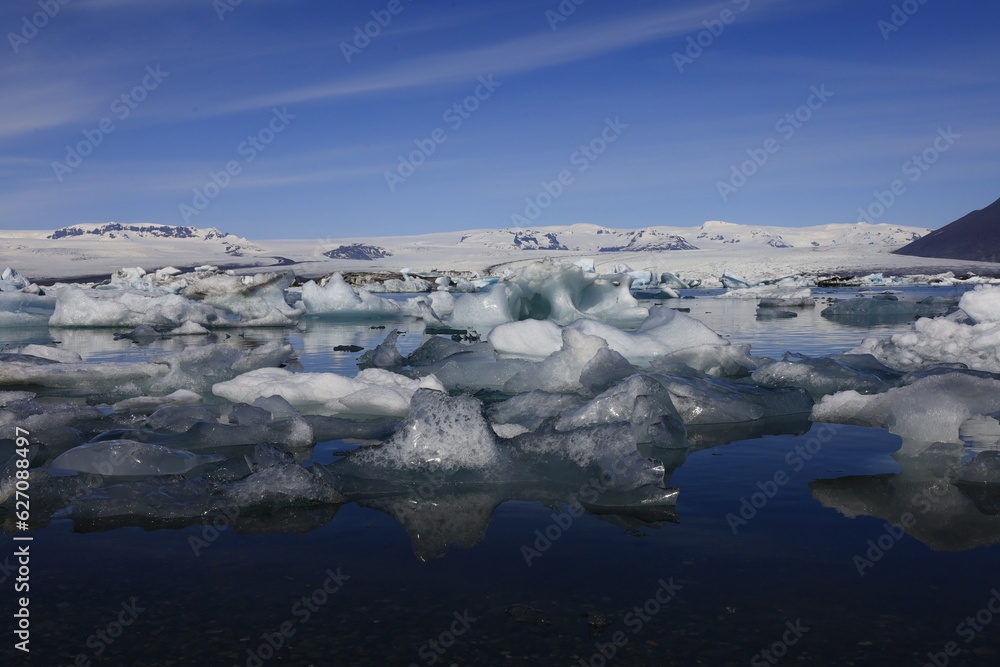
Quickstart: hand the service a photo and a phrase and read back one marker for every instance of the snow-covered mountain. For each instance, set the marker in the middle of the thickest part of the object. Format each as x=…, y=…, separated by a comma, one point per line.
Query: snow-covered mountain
x=713, y=234
x=115, y=231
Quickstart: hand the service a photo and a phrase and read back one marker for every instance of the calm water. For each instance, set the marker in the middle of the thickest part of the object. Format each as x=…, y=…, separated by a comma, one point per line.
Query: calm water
x=811, y=571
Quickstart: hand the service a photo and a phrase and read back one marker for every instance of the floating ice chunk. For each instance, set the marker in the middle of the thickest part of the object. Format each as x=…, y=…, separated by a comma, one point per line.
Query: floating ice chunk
x=485, y=310
x=372, y=392
x=714, y=401
x=547, y=290
x=786, y=302
x=476, y=370
x=932, y=409
x=731, y=280
x=716, y=360
x=799, y=296
x=982, y=305
x=586, y=265
x=441, y=432
x=79, y=375
x=639, y=400
x=530, y=409
x=435, y=349
x=7, y=397
x=527, y=339
x=49, y=352
x=561, y=371
x=828, y=375
x=385, y=355
x=674, y=281
x=277, y=406
x=257, y=300
x=249, y=415
x=338, y=299
x=283, y=484
x=129, y=458
x=18, y=309
x=873, y=309
x=983, y=469
x=12, y=281
x=936, y=341
x=78, y=307
x=188, y=329
x=394, y=285
x=200, y=367
x=665, y=330
x=180, y=418
x=434, y=306
x=149, y=404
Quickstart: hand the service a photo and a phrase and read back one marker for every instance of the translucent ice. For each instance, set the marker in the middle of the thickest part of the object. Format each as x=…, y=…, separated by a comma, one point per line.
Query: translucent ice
x=827, y=375
x=338, y=299
x=440, y=431
x=129, y=458
x=547, y=290
x=372, y=392
x=982, y=304
x=932, y=409
x=257, y=300
x=385, y=355
x=936, y=341
x=18, y=309
x=561, y=371
x=715, y=401
x=639, y=400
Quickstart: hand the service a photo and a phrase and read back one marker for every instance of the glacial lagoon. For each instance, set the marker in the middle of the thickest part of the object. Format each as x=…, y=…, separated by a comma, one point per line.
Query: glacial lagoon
x=778, y=541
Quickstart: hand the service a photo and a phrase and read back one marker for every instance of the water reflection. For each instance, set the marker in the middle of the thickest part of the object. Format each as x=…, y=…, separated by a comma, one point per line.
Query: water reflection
x=927, y=497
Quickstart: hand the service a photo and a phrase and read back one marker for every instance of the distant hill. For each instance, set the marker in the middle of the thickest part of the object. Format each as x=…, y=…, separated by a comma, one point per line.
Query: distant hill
x=975, y=236
x=115, y=231
x=358, y=251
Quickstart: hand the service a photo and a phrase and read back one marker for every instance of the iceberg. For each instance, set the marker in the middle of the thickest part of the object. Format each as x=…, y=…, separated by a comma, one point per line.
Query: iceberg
x=373, y=391
x=827, y=375
x=549, y=290
x=338, y=299
x=931, y=409
x=960, y=338
x=116, y=458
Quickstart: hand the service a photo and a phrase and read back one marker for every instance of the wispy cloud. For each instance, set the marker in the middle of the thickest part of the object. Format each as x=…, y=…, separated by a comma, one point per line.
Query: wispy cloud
x=522, y=54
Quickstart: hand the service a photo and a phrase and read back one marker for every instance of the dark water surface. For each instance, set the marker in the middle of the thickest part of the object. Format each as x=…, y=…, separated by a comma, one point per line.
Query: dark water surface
x=783, y=550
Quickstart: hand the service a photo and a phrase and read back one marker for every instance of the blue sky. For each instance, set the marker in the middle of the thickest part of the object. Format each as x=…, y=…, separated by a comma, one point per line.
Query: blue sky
x=275, y=119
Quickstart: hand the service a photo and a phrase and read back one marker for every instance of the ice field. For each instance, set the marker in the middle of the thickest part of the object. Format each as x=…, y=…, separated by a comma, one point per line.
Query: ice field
x=558, y=466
